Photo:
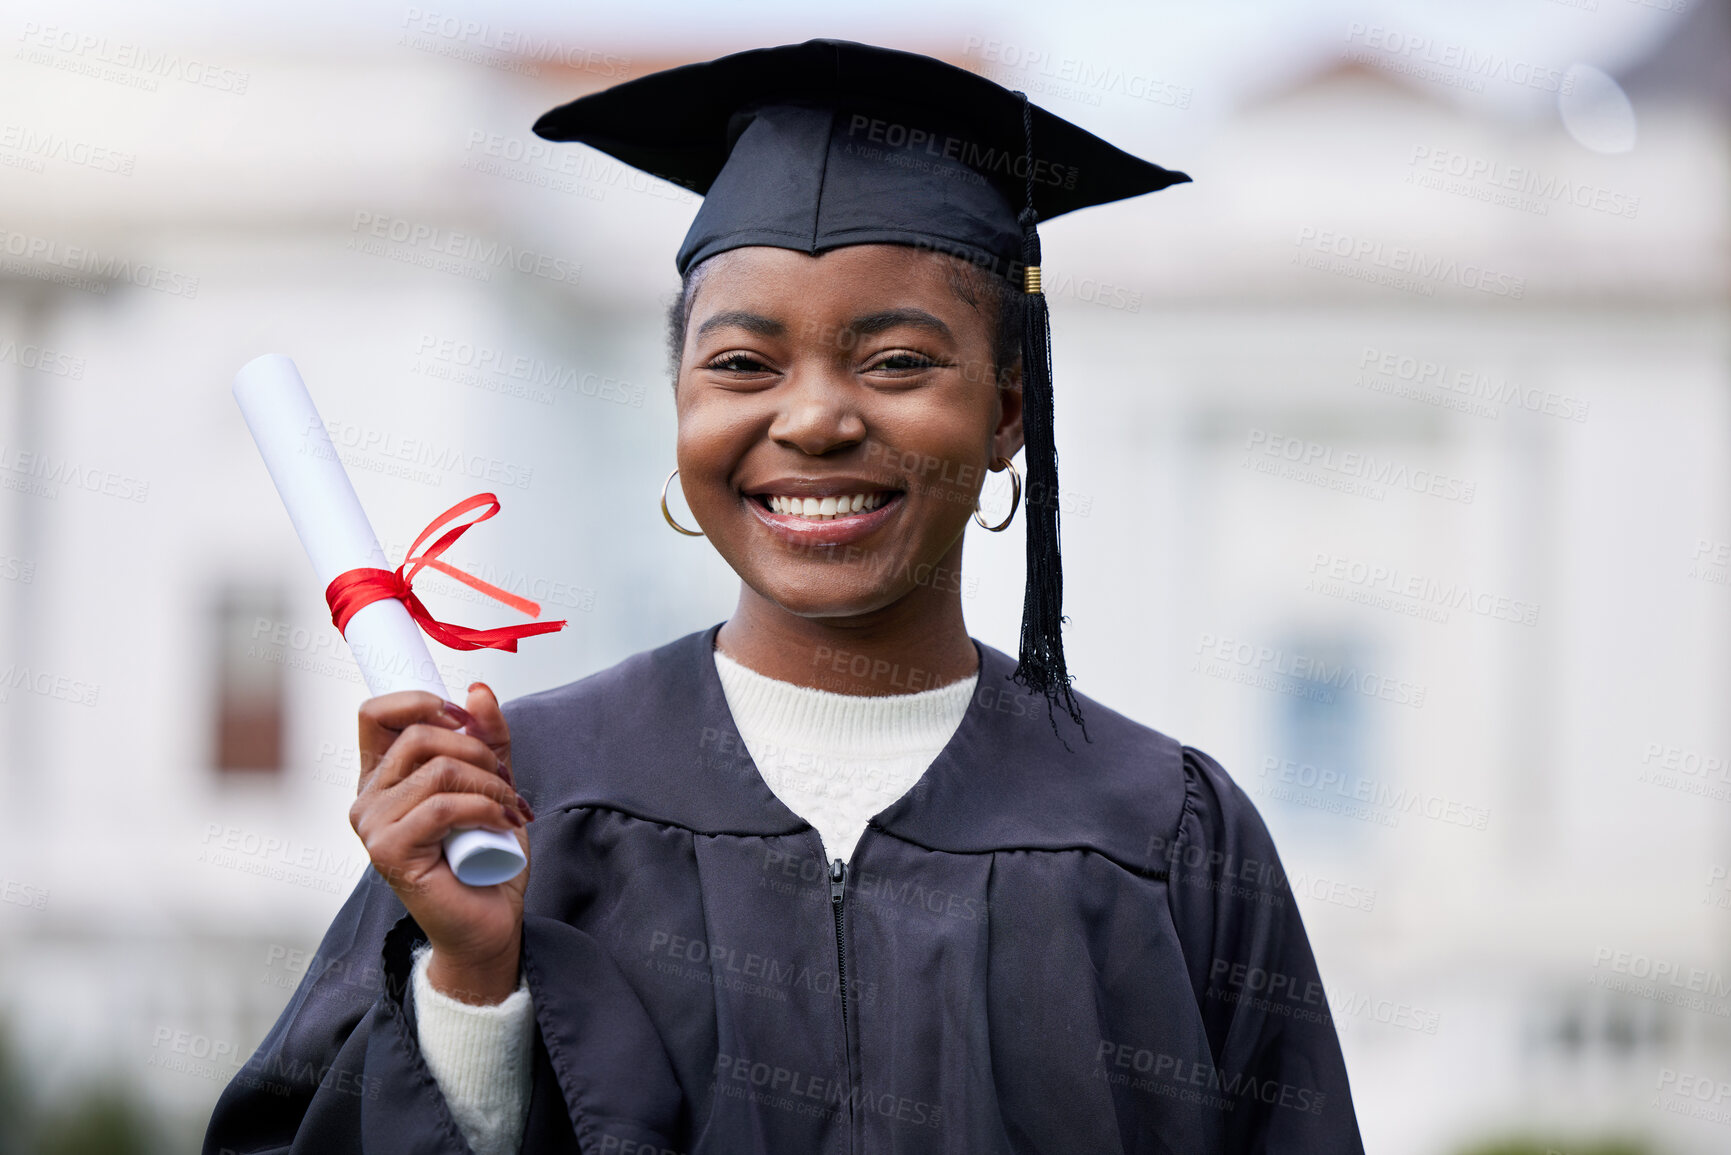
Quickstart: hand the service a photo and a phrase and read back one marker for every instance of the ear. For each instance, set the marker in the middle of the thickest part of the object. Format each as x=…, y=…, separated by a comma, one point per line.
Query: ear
x=1007, y=436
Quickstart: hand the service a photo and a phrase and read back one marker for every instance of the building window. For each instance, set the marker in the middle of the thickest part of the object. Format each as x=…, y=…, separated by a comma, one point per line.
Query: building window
x=1321, y=735
x=249, y=682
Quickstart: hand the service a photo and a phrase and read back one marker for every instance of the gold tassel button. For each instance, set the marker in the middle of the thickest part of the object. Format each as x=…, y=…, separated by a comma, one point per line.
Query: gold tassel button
x=1031, y=279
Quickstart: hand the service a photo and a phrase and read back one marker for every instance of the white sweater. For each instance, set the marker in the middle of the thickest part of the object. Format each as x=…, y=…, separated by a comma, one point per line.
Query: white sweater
x=835, y=760
x=838, y=759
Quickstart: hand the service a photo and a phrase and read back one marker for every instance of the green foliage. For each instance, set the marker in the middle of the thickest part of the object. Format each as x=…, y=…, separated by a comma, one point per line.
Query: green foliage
x=1557, y=1146
x=14, y=1102
x=102, y=1121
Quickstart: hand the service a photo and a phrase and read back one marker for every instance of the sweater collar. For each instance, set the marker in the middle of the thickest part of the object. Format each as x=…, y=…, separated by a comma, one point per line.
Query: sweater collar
x=957, y=777
x=845, y=725
x=740, y=770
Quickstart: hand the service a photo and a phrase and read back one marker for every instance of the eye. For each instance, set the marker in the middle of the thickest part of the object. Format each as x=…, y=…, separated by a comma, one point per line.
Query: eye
x=736, y=363
x=903, y=361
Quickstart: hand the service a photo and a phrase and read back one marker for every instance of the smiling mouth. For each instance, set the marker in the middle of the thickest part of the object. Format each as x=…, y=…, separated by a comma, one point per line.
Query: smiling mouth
x=831, y=508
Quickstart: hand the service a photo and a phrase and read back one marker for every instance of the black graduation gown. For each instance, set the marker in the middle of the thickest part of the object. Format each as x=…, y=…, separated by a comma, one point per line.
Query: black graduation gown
x=1033, y=950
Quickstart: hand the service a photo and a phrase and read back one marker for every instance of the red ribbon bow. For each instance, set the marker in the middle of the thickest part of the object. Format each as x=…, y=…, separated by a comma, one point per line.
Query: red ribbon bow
x=349, y=592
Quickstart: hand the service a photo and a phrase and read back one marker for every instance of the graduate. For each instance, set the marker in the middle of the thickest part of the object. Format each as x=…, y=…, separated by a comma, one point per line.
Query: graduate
x=830, y=876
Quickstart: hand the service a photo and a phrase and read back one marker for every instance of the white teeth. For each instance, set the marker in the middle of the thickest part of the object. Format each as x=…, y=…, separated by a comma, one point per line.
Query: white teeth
x=827, y=508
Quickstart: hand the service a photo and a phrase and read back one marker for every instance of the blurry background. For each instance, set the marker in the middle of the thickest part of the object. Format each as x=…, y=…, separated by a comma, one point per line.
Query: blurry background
x=1396, y=452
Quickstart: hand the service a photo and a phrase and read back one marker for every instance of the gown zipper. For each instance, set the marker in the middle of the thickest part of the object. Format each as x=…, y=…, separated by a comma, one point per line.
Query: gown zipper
x=837, y=890
x=837, y=887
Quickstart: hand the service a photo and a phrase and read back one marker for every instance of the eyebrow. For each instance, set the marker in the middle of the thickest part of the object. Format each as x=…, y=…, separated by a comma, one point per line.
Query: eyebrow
x=867, y=326
x=741, y=319
x=874, y=323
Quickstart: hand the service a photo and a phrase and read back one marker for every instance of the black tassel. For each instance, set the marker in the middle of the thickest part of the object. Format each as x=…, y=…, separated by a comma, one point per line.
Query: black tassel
x=1041, y=666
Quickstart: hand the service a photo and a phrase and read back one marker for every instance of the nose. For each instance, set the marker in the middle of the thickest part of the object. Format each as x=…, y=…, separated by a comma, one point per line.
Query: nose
x=819, y=413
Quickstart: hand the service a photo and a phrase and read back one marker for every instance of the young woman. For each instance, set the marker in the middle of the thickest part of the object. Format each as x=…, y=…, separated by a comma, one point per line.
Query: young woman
x=831, y=876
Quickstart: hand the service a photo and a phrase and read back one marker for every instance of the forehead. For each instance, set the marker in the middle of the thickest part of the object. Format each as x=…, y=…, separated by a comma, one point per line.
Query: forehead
x=847, y=279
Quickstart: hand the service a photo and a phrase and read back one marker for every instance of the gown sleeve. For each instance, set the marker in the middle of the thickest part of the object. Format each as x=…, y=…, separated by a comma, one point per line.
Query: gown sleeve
x=341, y=1072
x=1277, y=1059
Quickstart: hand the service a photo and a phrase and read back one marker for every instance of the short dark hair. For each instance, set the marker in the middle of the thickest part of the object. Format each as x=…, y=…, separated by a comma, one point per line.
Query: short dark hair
x=984, y=291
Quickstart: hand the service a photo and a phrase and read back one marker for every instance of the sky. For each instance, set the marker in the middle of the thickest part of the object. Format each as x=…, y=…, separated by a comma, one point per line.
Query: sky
x=1233, y=48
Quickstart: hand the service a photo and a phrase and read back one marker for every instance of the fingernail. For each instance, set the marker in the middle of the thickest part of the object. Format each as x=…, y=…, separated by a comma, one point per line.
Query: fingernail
x=523, y=804
x=515, y=818
x=481, y=685
x=459, y=714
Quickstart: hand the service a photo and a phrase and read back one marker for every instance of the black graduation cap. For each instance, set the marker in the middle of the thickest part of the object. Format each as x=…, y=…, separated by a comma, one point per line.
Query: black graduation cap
x=828, y=143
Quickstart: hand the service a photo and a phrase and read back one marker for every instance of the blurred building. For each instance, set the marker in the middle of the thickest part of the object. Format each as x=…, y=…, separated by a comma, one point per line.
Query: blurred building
x=1396, y=451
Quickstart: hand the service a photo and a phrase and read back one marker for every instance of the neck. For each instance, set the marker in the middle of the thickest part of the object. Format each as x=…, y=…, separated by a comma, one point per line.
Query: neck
x=919, y=642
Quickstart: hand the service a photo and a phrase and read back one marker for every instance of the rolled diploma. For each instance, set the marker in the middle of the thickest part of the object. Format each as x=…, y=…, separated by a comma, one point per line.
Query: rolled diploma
x=385, y=641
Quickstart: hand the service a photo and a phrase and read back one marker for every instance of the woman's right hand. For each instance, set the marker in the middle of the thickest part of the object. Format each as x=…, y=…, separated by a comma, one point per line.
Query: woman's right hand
x=420, y=780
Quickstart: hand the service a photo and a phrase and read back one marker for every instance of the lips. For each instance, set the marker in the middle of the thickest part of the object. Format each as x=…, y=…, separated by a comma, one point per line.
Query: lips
x=800, y=515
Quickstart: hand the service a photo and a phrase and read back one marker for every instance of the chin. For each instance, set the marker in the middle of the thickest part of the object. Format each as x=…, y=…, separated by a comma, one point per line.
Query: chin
x=823, y=598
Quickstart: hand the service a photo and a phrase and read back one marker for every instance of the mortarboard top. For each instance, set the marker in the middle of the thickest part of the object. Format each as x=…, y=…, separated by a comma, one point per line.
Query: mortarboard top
x=829, y=143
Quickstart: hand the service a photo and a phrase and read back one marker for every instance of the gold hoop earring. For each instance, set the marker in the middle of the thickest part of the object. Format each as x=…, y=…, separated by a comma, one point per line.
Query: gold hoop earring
x=668, y=514
x=1015, y=497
